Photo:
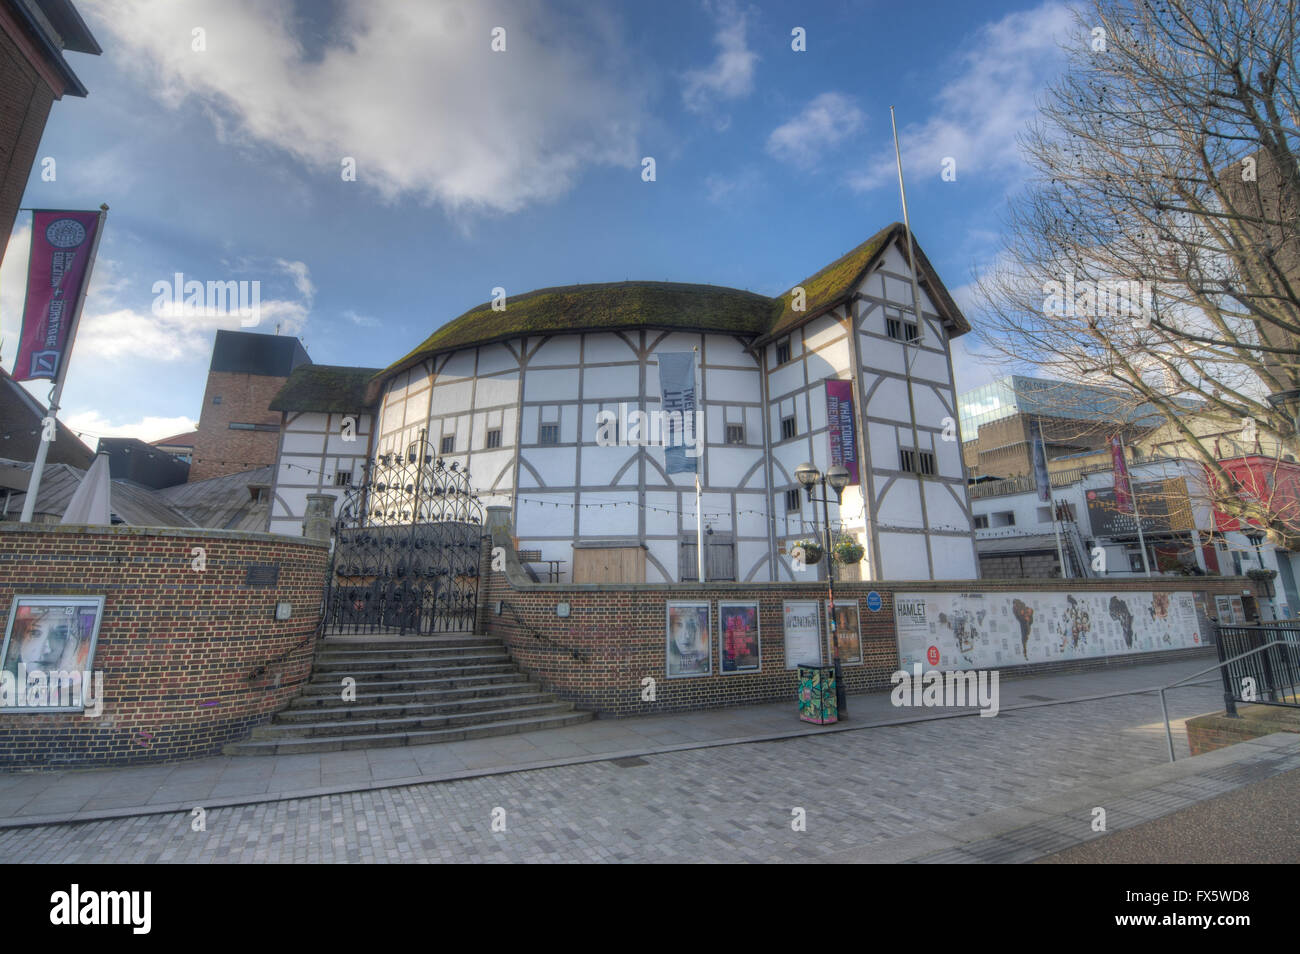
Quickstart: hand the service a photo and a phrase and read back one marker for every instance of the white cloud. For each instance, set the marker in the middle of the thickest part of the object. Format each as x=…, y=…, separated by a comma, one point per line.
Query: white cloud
x=113, y=329
x=362, y=321
x=980, y=113
x=827, y=120
x=731, y=74
x=92, y=423
x=411, y=91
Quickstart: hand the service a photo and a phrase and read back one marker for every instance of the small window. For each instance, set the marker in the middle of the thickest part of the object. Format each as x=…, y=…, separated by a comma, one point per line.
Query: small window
x=494, y=438
x=549, y=434
x=901, y=330
x=735, y=433
x=448, y=444
x=914, y=462
x=216, y=399
x=982, y=522
x=788, y=428
x=792, y=502
x=783, y=351
x=343, y=478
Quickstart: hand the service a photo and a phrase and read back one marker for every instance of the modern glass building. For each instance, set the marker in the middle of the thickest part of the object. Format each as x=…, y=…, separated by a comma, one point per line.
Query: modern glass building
x=1047, y=398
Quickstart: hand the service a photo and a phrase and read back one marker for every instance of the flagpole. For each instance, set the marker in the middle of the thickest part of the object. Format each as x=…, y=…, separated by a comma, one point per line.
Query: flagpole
x=56, y=393
x=698, y=410
x=1137, y=514
x=911, y=245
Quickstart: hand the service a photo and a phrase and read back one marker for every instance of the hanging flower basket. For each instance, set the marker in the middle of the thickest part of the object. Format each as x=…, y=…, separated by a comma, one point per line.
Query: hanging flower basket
x=1261, y=575
x=812, y=551
x=849, y=551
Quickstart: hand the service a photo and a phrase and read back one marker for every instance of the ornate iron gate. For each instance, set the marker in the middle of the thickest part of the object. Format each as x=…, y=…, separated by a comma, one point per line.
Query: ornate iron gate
x=406, y=548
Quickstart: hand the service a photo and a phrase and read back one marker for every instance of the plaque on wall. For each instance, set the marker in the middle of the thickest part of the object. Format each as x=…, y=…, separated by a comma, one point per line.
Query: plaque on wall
x=262, y=574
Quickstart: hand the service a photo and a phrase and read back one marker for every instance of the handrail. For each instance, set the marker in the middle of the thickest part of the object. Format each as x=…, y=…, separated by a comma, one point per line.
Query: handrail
x=284, y=655
x=1164, y=707
x=538, y=634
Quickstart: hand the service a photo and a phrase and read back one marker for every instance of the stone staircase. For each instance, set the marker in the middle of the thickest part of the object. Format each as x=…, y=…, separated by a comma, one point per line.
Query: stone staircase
x=411, y=691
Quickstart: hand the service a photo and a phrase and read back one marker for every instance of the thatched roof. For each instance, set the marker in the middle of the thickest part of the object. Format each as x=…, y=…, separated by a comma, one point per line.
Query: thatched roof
x=628, y=306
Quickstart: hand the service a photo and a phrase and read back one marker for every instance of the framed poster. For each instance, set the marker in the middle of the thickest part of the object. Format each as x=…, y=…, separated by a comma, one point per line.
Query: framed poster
x=739, y=645
x=802, y=627
x=849, y=633
x=53, y=635
x=689, y=646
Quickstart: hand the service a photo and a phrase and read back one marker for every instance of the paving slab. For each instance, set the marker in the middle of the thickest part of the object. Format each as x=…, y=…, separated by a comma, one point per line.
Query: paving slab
x=297, y=775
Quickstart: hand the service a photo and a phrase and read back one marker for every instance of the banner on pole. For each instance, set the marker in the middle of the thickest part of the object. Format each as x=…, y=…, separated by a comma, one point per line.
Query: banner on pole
x=840, y=428
x=1041, y=475
x=62, y=244
x=678, y=407
x=1123, y=489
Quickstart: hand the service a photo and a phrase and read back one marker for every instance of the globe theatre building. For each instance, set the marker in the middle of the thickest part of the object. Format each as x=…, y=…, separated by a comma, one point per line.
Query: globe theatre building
x=518, y=395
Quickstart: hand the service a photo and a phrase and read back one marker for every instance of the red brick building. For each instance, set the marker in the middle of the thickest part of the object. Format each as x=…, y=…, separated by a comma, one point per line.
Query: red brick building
x=33, y=73
x=237, y=429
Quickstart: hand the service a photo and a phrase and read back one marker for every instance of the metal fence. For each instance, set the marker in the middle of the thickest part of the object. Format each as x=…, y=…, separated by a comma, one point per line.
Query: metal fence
x=1268, y=670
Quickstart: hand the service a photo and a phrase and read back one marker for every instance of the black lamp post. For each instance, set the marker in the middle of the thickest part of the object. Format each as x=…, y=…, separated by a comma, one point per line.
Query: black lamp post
x=838, y=478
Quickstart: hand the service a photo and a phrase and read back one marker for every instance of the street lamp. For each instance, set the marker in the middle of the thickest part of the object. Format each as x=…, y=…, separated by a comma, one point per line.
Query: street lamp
x=838, y=478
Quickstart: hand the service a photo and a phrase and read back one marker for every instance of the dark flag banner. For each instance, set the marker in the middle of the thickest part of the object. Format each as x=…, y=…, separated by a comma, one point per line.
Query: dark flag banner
x=63, y=246
x=840, y=428
x=1123, y=490
x=677, y=397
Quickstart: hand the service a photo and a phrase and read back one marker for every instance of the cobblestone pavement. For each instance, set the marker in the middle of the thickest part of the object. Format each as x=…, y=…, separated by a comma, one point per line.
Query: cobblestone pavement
x=726, y=804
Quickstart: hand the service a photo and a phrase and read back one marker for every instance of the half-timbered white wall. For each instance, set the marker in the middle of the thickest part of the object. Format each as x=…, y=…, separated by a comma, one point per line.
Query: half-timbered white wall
x=314, y=448
x=574, y=489
x=913, y=526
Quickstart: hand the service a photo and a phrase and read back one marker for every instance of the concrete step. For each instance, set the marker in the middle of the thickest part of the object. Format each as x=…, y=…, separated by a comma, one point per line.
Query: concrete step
x=530, y=695
x=362, y=644
x=338, y=743
x=385, y=696
x=334, y=690
x=425, y=660
x=406, y=724
x=413, y=673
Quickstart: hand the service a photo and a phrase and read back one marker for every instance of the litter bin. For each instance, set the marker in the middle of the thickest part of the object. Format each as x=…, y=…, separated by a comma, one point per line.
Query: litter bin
x=817, y=695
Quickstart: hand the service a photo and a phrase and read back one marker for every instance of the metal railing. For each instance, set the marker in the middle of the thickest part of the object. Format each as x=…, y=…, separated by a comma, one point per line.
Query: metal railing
x=1266, y=666
x=1243, y=663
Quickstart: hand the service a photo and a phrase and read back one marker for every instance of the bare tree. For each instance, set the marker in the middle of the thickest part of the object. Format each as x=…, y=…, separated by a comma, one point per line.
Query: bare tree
x=1157, y=247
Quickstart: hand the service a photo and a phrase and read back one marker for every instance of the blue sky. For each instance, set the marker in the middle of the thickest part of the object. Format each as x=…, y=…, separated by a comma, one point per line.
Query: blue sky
x=520, y=169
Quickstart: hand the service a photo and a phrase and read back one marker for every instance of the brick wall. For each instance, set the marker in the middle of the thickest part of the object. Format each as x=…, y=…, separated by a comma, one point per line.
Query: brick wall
x=1215, y=730
x=25, y=101
x=178, y=648
x=245, y=399
x=617, y=634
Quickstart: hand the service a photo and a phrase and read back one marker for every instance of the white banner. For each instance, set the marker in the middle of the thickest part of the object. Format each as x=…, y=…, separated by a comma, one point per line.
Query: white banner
x=802, y=633
x=988, y=630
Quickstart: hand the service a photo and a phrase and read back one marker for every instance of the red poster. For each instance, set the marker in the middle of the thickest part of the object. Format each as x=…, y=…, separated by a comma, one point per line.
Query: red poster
x=63, y=245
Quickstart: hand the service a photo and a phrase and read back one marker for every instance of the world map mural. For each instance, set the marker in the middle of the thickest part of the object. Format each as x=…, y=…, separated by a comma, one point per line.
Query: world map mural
x=990, y=630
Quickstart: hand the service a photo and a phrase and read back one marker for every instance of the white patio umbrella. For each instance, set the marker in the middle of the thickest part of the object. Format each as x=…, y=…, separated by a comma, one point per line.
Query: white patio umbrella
x=90, y=502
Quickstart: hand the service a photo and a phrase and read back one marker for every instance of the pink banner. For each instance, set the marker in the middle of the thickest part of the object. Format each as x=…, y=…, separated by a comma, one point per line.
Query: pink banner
x=841, y=431
x=62, y=246
x=1123, y=491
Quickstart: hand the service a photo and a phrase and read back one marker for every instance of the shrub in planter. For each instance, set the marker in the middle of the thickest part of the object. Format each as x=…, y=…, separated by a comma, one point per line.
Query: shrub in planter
x=849, y=551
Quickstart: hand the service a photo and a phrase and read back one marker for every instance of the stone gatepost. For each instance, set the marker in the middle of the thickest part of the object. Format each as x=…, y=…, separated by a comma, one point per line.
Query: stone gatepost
x=319, y=518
